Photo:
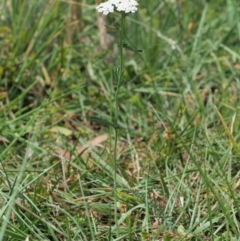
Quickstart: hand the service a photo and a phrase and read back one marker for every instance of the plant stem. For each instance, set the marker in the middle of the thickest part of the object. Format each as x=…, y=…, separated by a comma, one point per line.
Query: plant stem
x=119, y=82
x=115, y=183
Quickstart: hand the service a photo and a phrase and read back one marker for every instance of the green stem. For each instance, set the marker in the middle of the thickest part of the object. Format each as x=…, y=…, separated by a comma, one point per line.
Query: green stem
x=115, y=184
x=119, y=81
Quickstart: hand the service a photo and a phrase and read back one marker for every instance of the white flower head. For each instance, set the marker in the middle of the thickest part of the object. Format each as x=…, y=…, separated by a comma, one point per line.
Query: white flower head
x=126, y=6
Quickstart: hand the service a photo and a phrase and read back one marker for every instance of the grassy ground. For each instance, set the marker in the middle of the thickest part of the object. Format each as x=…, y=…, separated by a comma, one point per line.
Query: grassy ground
x=178, y=152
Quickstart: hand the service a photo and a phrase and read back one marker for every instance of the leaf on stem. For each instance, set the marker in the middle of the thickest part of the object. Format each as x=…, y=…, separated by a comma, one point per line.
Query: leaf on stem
x=105, y=122
x=126, y=46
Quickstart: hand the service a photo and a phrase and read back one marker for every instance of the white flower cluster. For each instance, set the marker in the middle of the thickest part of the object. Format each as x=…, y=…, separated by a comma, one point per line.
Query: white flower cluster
x=126, y=6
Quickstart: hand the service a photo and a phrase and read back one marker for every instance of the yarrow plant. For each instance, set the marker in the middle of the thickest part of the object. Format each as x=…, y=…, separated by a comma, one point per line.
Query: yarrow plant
x=123, y=7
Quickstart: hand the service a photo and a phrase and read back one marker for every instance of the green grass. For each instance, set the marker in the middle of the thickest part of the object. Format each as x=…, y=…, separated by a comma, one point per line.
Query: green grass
x=178, y=151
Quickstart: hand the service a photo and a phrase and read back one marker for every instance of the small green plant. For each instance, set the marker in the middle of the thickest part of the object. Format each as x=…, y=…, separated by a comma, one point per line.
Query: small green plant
x=123, y=7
